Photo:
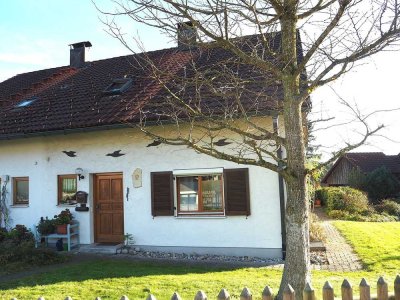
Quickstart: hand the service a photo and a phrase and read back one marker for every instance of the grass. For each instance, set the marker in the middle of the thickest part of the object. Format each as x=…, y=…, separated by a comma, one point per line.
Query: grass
x=376, y=243
x=110, y=279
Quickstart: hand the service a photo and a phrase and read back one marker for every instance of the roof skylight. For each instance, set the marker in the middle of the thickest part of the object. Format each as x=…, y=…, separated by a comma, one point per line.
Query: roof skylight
x=118, y=86
x=25, y=102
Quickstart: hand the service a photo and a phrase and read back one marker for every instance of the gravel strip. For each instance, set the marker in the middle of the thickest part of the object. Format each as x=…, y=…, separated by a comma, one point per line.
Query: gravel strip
x=317, y=258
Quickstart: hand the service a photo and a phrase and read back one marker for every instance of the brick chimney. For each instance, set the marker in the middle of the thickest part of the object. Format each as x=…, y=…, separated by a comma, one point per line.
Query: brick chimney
x=77, y=54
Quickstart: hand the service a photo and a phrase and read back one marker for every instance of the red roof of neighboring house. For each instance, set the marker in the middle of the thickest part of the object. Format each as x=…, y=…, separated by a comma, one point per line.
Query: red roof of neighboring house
x=368, y=161
x=66, y=98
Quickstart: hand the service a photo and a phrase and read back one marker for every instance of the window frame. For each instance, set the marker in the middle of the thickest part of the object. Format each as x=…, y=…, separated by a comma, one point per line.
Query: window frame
x=236, y=192
x=59, y=187
x=15, y=181
x=125, y=84
x=200, y=211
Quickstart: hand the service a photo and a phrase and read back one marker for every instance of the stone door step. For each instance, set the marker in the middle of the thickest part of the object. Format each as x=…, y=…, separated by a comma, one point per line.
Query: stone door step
x=99, y=248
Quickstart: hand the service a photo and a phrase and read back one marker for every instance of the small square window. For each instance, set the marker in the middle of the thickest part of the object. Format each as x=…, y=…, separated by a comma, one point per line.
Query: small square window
x=118, y=86
x=67, y=188
x=21, y=190
x=25, y=102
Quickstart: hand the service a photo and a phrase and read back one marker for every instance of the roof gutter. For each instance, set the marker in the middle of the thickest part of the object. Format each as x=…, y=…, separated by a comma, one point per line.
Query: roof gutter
x=63, y=131
x=281, y=192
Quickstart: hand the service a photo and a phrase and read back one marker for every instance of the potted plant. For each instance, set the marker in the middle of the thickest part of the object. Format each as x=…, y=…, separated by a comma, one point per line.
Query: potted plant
x=62, y=220
x=45, y=226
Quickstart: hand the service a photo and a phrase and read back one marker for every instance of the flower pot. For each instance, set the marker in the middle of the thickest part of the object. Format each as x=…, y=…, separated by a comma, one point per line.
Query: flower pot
x=62, y=229
x=317, y=203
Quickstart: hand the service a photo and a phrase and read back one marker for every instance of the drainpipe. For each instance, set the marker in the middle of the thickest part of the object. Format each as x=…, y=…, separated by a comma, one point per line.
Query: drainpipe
x=281, y=191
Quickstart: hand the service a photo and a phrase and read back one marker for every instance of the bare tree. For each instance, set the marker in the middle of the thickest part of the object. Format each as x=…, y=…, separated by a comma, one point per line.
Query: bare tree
x=296, y=46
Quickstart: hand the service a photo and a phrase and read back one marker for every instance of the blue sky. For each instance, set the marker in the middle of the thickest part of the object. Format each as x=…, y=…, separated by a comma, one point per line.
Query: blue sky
x=35, y=34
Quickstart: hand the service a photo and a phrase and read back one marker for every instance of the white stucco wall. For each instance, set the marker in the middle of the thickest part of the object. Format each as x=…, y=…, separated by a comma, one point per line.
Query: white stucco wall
x=41, y=159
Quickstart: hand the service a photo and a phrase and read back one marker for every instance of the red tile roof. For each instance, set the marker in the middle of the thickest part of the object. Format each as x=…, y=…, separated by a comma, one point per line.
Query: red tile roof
x=70, y=99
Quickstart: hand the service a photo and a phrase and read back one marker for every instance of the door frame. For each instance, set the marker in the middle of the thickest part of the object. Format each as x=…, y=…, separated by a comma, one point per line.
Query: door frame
x=95, y=175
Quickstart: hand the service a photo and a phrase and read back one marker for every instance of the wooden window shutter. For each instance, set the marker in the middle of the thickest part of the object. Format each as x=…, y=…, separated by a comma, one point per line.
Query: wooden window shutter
x=237, y=193
x=162, y=197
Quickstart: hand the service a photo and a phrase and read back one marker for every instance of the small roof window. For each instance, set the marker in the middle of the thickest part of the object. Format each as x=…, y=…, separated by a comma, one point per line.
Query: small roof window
x=118, y=86
x=25, y=102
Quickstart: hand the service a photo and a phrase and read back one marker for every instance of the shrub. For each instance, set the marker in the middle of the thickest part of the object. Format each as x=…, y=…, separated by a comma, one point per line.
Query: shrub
x=349, y=204
x=344, y=198
x=15, y=244
x=390, y=207
x=19, y=234
x=18, y=248
x=317, y=232
x=365, y=217
x=357, y=179
x=43, y=256
x=46, y=226
x=3, y=234
x=340, y=215
x=381, y=184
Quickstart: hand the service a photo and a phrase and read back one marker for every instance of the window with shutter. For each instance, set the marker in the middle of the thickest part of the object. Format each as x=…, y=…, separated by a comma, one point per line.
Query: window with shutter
x=237, y=193
x=162, y=198
x=205, y=192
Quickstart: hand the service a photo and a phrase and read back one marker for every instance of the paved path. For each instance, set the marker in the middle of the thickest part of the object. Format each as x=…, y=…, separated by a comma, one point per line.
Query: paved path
x=340, y=254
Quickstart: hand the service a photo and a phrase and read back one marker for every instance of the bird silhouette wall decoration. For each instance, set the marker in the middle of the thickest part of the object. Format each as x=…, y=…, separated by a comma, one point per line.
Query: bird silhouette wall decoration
x=70, y=153
x=116, y=153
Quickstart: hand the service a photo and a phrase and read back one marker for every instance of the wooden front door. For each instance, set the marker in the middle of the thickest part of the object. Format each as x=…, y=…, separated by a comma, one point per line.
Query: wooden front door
x=108, y=208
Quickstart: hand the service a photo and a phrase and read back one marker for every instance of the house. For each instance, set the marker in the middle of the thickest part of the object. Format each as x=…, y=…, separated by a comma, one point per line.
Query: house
x=72, y=128
x=338, y=174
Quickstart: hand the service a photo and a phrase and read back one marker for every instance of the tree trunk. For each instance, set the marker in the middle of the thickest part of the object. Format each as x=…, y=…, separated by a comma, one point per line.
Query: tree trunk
x=296, y=271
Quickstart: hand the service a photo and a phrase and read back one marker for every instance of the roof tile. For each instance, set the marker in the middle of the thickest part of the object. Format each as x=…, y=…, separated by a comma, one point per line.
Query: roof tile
x=70, y=98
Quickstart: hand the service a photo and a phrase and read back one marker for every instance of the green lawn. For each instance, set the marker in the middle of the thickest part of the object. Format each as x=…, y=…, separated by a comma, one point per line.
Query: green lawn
x=376, y=243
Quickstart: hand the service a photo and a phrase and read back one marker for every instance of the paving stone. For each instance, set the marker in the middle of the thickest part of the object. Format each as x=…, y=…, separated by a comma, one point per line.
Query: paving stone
x=339, y=253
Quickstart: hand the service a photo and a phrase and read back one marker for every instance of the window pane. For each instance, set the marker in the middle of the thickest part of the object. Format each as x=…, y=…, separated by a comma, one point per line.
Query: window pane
x=211, y=192
x=22, y=192
x=189, y=202
x=188, y=184
x=188, y=192
x=68, y=190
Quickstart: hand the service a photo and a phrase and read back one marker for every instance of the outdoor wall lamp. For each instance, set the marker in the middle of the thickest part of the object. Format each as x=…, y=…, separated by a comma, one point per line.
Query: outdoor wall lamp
x=79, y=171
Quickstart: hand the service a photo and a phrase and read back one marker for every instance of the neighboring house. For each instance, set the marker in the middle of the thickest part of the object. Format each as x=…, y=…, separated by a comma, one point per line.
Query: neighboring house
x=338, y=174
x=69, y=129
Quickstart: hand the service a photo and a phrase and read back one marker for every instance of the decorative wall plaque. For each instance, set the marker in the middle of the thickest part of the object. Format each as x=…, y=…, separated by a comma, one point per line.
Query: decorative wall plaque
x=137, y=178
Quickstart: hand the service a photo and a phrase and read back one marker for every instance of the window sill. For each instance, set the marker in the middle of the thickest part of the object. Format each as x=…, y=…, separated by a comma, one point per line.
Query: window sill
x=67, y=205
x=19, y=205
x=199, y=217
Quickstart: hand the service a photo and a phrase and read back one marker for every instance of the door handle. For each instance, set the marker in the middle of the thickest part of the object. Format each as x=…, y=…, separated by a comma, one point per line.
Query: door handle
x=97, y=206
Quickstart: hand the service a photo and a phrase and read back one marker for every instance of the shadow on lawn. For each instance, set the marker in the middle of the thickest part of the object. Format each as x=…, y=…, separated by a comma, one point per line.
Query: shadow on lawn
x=91, y=267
